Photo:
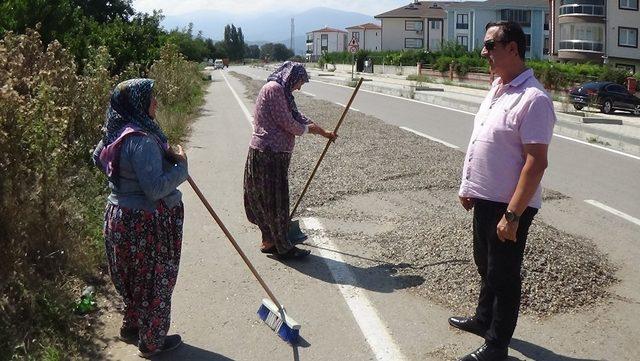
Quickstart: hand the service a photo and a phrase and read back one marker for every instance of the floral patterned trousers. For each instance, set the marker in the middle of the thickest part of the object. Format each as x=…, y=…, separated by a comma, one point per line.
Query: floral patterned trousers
x=143, y=252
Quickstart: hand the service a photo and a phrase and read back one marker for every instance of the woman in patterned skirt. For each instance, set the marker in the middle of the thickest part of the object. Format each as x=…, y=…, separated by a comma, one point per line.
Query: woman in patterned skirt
x=276, y=122
x=144, y=214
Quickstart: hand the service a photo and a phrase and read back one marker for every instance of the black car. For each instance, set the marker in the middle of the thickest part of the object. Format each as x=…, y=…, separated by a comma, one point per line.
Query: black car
x=605, y=95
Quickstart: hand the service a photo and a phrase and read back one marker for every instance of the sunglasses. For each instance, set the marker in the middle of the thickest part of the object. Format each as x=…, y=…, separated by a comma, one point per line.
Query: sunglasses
x=491, y=44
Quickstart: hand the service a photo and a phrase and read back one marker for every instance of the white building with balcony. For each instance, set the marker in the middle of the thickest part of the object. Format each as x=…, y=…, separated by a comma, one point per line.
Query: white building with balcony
x=598, y=31
x=418, y=25
x=325, y=40
x=368, y=36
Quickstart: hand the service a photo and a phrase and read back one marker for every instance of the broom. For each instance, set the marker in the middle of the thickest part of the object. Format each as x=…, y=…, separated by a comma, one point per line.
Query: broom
x=270, y=311
x=295, y=234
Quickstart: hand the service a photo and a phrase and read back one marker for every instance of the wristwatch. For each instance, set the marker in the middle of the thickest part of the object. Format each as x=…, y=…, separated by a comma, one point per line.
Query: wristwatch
x=510, y=216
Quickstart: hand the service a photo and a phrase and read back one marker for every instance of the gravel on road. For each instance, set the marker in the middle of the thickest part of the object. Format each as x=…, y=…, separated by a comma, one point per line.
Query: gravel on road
x=428, y=233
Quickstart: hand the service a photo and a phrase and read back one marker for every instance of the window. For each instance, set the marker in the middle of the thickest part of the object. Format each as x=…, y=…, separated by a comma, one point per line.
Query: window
x=545, y=46
x=324, y=42
x=413, y=43
x=546, y=21
x=582, y=37
x=583, y=7
x=527, y=38
x=628, y=67
x=522, y=17
x=435, y=25
x=462, y=40
x=462, y=21
x=628, y=4
x=628, y=37
x=616, y=88
x=412, y=25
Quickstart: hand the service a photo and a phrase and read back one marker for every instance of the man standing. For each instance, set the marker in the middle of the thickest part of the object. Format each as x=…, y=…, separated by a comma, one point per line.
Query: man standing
x=505, y=161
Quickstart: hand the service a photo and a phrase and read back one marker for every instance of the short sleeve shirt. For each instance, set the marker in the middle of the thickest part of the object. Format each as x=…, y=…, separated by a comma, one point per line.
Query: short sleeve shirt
x=511, y=116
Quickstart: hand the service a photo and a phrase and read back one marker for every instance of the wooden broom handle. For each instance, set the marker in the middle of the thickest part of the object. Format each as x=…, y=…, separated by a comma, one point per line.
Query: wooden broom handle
x=233, y=241
x=326, y=147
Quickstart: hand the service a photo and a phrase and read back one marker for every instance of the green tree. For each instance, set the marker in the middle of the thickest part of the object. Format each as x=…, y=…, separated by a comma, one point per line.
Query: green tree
x=252, y=51
x=234, y=42
x=281, y=52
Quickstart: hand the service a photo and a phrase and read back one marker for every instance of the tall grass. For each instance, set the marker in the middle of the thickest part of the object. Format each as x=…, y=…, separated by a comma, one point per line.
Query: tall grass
x=51, y=196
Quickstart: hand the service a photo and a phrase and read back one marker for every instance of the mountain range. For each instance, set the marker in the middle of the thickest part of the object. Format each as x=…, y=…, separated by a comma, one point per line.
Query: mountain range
x=268, y=27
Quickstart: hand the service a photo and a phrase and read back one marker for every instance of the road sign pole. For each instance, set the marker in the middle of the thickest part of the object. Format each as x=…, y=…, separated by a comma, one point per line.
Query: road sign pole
x=353, y=60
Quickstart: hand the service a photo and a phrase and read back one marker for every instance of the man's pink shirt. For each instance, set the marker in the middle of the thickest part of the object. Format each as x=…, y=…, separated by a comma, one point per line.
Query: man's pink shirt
x=511, y=115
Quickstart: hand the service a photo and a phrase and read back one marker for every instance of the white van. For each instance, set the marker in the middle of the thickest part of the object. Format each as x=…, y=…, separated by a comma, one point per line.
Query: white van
x=218, y=64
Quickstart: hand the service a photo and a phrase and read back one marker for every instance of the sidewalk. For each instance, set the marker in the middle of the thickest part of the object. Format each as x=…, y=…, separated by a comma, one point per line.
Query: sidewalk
x=619, y=131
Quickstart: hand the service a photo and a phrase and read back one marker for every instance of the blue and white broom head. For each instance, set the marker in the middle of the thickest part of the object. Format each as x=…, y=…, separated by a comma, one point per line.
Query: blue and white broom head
x=278, y=320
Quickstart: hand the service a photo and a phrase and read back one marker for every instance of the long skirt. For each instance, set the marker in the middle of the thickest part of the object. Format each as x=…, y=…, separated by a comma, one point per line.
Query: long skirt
x=143, y=251
x=266, y=196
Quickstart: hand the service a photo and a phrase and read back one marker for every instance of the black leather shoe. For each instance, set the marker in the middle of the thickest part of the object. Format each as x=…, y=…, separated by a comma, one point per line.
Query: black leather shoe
x=487, y=352
x=469, y=324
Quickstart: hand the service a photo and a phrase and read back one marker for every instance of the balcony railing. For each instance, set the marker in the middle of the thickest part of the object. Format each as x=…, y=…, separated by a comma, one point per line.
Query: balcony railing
x=581, y=45
x=577, y=9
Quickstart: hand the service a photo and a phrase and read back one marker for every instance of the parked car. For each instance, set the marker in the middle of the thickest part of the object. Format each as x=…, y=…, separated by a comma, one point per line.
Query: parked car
x=218, y=64
x=605, y=95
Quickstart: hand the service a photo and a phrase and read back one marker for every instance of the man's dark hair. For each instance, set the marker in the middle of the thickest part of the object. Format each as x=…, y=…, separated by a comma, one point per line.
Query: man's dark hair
x=510, y=31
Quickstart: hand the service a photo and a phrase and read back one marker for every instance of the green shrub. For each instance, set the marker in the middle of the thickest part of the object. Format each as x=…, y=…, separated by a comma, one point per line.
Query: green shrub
x=51, y=196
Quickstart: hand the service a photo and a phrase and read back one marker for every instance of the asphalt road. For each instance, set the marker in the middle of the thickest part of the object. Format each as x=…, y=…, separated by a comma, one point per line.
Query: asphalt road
x=350, y=310
x=580, y=171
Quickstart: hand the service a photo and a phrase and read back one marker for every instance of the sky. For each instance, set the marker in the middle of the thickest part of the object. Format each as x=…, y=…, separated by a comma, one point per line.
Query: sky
x=250, y=7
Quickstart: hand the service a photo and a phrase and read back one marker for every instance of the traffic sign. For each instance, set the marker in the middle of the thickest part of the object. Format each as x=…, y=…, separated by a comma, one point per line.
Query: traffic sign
x=353, y=45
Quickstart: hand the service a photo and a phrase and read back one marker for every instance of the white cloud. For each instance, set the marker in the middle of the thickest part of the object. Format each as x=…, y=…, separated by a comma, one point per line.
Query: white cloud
x=248, y=7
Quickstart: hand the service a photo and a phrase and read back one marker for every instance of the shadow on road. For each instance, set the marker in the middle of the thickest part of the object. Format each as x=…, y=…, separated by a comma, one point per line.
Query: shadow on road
x=192, y=353
x=301, y=343
x=379, y=278
x=535, y=352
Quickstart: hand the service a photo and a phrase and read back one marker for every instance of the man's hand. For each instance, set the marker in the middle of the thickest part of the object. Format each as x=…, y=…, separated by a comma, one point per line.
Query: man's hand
x=507, y=230
x=466, y=202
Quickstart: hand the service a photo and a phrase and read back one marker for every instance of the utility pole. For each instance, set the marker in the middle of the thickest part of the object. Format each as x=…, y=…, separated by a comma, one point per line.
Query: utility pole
x=293, y=33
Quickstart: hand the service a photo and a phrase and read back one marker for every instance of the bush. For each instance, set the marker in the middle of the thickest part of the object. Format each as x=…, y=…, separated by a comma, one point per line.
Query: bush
x=51, y=196
x=615, y=75
x=50, y=118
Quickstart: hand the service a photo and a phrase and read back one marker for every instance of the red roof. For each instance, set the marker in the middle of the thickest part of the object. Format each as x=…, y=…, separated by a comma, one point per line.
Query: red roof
x=328, y=30
x=366, y=26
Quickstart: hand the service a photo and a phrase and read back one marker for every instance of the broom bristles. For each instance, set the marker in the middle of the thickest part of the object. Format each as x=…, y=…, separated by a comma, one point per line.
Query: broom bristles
x=278, y=320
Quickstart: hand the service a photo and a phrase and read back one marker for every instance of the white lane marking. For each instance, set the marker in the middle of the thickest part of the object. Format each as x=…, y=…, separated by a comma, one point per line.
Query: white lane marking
x=244, y=108
x=598, y=146
x=372, y=327
x=396, y=97
x=344, y=106
x=469, y=113
x=307, y=93
x=613, y=211
x=431, y=138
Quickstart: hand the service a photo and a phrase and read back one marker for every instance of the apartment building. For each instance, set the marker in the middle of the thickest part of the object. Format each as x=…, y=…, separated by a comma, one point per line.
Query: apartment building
x=467, y=21
x=598, y=31
x=325, y=40
x=368, y=36
x=419, y=25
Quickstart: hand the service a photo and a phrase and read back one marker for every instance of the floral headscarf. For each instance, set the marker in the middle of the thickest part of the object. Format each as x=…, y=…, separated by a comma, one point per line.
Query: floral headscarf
x=288, y=75
x=129, y=104
x=128, y=113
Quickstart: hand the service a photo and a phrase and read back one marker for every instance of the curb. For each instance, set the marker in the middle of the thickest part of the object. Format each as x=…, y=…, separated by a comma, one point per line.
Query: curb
x=567, y=125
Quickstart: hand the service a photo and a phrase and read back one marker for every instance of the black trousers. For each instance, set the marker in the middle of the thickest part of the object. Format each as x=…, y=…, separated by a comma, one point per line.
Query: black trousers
x=499, y=265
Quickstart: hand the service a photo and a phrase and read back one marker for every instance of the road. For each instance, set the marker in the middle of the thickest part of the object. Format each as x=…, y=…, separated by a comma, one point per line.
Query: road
x=353, y=312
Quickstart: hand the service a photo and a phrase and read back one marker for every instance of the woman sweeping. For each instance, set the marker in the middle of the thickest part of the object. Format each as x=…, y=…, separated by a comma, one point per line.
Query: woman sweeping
x=144, y=214
x=266, y=179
